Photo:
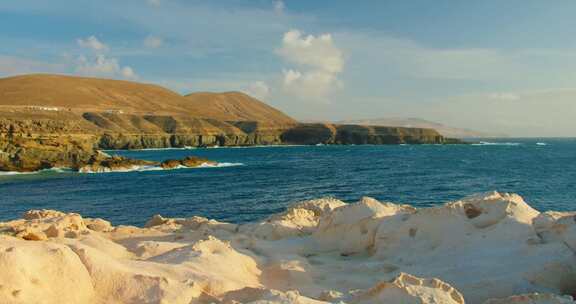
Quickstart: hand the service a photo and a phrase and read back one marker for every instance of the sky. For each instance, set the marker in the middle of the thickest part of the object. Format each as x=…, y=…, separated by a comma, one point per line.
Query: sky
x=506, y=67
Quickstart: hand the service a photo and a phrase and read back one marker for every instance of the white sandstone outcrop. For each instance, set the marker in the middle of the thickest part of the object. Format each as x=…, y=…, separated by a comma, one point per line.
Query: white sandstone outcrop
x=299, y=219
x=491, y=248
x=42, y=272
x=409, y=289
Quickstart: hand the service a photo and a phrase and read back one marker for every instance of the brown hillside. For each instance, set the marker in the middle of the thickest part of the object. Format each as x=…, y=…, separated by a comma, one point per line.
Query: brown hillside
x=82, y=94
x=87, y=94
x=235, y=106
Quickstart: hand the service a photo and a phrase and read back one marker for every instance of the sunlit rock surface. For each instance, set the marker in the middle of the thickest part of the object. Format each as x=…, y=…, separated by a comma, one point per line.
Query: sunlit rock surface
x=490, y=248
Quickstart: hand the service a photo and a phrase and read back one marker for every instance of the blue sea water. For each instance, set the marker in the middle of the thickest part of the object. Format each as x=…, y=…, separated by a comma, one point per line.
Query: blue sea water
x=543, y=171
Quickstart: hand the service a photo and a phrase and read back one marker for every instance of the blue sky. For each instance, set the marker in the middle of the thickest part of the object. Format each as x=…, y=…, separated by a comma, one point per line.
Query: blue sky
x=498, y=66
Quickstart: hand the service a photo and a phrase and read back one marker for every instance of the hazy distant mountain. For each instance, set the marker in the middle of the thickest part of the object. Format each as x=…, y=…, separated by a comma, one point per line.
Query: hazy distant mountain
x=422, y=123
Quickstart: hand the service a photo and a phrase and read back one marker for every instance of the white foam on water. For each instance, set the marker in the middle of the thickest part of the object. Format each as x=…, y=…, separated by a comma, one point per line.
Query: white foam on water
x=158, y=168
x=255, y=146
x=131, y=169
x=9, y=173
x=218, y=165
x=55, y=170
x=209, y=147
x=486, y=143
x=157, y=149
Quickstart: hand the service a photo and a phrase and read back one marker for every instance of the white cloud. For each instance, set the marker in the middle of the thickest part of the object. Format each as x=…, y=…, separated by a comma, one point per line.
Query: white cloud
x=153, y=42
x=92, y=43
x=154, y=2
x=279, y=7
x=98, y=63
x=318, y=61
x=101, y=65
x=317, y=52
x=258, y=89
x=129, y=73
x=290, y=76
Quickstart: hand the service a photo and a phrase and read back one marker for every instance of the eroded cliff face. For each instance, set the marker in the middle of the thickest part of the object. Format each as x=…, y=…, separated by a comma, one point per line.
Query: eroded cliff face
x=36, y=144
x=152, y=131
x=127, y=131
x=34, y=140
x=359, y=135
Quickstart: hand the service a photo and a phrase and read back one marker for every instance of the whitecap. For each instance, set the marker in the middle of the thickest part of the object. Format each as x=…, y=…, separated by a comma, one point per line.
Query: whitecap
x=255, y=146
x=486, y=143
x=9, y=173
x=155, y=149
x=129, y=169
x=54, y=170
x=219, y=165
x=158, y=168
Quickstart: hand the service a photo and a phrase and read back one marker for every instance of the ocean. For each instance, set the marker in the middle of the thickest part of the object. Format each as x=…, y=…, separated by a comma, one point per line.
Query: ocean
x=254, y=182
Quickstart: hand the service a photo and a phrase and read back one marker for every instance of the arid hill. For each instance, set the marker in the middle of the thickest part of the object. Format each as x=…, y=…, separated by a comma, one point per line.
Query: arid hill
x=234, y=106
x=87, y=94
x=117, y=96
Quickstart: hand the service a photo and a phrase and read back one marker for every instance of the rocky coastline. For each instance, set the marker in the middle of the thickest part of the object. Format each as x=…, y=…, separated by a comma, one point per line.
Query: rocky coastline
x=35, y=144
x=49, y=121
x=489, y=248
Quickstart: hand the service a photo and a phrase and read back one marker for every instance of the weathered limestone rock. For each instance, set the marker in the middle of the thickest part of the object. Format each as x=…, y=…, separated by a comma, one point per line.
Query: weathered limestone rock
x=42, y=272
x=409, y=289
x=485, y=249
x=299, y=219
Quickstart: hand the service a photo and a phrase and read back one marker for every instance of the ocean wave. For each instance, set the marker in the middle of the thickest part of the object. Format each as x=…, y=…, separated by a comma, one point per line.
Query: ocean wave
x=44, y=171
x=486, y=143
x=156, y=149
x=130, y=169
x=254, y=146
x=158, y=168
x=541, y=144
x=105, y=170
x=220, y=165
x=208, y=147
x=10, y=173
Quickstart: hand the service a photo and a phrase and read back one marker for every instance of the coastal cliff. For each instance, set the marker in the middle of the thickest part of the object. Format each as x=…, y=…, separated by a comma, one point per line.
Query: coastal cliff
x=49, y=121
x=316, y=251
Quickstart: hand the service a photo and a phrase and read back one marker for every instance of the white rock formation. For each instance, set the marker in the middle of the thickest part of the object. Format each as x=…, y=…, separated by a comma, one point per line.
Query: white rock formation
x=410, y=290
x=491, y=248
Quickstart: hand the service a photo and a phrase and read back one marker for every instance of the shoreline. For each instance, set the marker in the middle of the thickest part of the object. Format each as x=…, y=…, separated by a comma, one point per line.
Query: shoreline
x=134, y=169
x=153, y=168
x=316, y=251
